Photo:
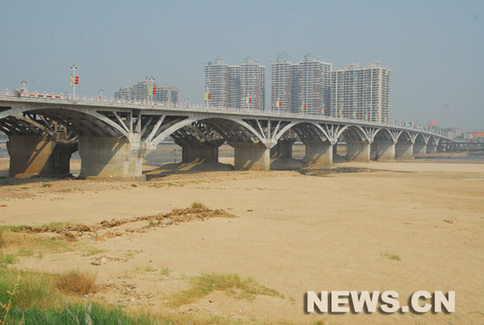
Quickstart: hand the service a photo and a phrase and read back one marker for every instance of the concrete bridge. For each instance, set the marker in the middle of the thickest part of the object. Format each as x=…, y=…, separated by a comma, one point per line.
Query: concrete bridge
x=113, y=138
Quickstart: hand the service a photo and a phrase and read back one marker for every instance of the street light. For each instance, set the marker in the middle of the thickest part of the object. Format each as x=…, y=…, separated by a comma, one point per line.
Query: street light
x=150, y=93
x=74, y=81
x=100, y=95
x=24, y=89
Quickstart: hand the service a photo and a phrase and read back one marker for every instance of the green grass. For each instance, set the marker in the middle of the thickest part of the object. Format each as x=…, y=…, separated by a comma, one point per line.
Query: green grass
x=13, y=228
x=46, y=185
x=25, y=252
x=165, y=271
x=231, y=284
x=392, y=257
x=6, y=259
x=32, y=298
x=56, y=224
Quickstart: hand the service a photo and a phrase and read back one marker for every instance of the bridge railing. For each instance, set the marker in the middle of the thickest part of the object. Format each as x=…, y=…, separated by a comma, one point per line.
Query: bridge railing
x=201, y=107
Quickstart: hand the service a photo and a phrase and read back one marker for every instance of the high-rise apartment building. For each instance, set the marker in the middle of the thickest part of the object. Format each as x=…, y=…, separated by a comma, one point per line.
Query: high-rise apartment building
x=281, y=84
x=141, y=92
x=252, y=85
x=216, y=83
x=361, y=93
x=303, y=87
x=166, y=94
x=235, y=86
x=123, y=93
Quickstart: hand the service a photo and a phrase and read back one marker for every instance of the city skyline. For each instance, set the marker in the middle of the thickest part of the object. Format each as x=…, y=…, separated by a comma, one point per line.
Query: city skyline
x=434, y=48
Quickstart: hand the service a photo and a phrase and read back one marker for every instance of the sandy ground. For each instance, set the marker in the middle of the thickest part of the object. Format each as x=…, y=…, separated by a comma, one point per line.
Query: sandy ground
x=294, y=233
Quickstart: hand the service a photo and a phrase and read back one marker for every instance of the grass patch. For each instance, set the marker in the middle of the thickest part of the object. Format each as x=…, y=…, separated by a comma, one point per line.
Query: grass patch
x=25, y=252
x=90, y=251
x=34, y=241
x=46, y=185
x=198, y=205
x=13, y=228
x=149, y=268
x=56, y=224
x=35, y=289
x=65, y=190
x=165, y=271
x=231, y=284
x=392, y=257
x=76, y=282
x=6, y=259
x=31, y=298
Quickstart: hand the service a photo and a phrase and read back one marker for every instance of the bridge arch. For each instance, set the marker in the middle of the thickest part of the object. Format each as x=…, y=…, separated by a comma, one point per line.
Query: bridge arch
x=420, y=138
x=404, y=136
x=352, y=132
x=78, y=120
x=232, y=130
x=383, y=134
x=307, y=131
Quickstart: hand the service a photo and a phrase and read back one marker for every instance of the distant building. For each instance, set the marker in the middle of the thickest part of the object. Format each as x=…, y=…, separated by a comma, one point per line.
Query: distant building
x=216, y=83
x=361, y=93
x=124, y=93
x=252, y=85
x=301, y=88
x=142, y=91
x=282, y=81
x=314, y=86
x=166, y=94
x=235, y=86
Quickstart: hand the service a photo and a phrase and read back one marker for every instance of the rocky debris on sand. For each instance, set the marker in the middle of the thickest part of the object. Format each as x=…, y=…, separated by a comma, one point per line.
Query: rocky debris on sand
x=104, y=230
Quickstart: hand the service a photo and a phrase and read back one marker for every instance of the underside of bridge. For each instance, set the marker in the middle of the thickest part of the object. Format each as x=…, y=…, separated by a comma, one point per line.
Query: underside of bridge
x=112, y=142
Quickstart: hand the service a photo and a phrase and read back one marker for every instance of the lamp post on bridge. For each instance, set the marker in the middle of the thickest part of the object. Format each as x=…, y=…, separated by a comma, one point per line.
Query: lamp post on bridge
x=100, y=95
x=74, y=81
x=150, y=92
x=24, y=89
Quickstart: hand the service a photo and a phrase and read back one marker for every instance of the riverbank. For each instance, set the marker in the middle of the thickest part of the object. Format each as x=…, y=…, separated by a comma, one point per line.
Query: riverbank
x=403, y=226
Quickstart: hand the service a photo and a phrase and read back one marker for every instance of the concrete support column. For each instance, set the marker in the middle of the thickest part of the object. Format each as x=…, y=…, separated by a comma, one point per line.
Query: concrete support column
x=206, y=152
x=385, y=150
x=283, y=149
x=319, y=153
x=251, y=156
x=404, y=150
x=431, y=148
x=419, y=149
x=358, y=150
x=112, y=158
x=39, y=155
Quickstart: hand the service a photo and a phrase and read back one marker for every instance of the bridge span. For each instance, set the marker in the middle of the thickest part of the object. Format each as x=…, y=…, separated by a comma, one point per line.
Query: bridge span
x=113, y=138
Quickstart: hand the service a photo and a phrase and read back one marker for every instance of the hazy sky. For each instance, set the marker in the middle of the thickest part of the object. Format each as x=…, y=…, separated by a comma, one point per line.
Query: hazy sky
x=435, y=49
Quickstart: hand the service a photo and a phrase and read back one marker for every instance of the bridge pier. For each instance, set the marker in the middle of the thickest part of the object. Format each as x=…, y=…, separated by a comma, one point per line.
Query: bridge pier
x=431, y=148
x=251, y=156
x=111, y=158
x=283, y=149
x=39, y=155
x=358, y=150
x=206, y=152
x=419, y=149
x=404, y=150
x=318, y=153
x=385, y=150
